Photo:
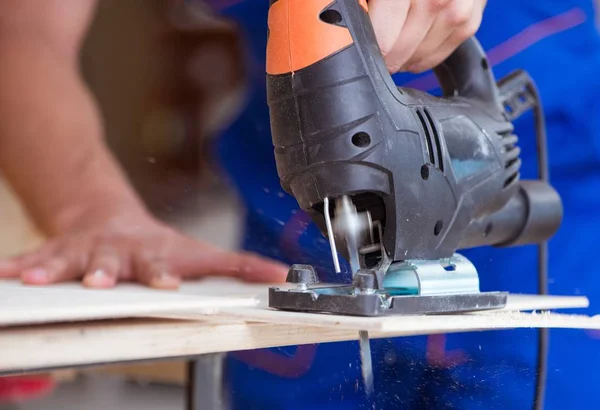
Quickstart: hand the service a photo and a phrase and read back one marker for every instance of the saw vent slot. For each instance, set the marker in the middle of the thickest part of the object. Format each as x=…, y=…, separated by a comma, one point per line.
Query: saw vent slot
x=432, y=138
x=512, y=162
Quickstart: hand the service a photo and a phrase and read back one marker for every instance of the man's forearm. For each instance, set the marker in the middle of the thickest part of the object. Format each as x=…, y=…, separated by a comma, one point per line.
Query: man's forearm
x=51, y=145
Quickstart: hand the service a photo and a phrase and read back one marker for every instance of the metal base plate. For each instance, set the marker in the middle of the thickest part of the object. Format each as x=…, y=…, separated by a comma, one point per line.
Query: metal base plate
x=341, y=300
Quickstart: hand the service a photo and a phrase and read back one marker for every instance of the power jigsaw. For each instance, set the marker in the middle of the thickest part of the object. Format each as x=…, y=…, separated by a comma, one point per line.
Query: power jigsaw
x=397, y=179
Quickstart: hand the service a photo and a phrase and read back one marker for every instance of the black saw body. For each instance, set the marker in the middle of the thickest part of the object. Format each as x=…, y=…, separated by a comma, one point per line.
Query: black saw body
x=437, y=174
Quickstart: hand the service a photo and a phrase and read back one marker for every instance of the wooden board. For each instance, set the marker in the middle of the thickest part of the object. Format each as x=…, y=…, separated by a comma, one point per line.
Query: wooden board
x=221, y=315
x=21, y=305
x=24, y=349
x=420, y=323
x=220, y=298
x=261, y=312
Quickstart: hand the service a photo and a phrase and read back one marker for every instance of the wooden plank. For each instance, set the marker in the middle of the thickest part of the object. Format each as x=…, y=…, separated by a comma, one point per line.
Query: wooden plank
x=30, y=348
x=20, y=305
x=215, y=327
x=224, y=298
x=516, y=303
x=29, y=304
x=261, y=312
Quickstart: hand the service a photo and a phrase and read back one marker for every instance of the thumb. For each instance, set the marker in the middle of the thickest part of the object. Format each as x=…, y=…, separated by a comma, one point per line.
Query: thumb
x=197, y=261
x=251, y=267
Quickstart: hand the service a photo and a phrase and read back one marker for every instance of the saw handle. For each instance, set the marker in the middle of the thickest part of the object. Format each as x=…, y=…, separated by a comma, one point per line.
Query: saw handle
x=305, y=33
x=467, y=73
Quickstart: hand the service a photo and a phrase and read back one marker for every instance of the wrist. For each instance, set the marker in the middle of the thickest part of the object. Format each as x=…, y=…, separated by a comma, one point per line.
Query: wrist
x=99, y=208
x=100, y=194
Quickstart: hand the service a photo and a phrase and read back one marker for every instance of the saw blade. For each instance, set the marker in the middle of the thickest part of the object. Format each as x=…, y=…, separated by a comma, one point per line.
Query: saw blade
x=353, y=228
x=366, y=361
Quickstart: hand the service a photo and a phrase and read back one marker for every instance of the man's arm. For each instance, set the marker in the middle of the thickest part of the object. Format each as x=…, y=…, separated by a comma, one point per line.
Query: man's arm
x=53, y=154
x=51, y=145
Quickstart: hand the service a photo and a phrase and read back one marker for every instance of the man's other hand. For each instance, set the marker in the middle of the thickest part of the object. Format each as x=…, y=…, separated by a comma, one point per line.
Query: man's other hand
x=126, y=248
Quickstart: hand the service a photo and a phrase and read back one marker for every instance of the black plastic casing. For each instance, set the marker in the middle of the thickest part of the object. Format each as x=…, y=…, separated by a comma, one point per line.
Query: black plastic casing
x=441, y=174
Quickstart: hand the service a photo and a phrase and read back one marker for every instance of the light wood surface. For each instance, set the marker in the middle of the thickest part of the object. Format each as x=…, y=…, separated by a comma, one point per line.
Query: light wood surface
x=420, y=324
x=22, y=305
x=31, y=348
x=203, y=318
x=215, y=298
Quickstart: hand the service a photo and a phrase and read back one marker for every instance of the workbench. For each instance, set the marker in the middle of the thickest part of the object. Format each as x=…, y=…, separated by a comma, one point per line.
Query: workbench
x=66, y=325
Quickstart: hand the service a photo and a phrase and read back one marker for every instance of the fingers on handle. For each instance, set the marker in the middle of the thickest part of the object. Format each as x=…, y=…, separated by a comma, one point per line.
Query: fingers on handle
x=451, y=18
x=419, y=20
x=458, y=36
x=103, y=269
x=388, y=18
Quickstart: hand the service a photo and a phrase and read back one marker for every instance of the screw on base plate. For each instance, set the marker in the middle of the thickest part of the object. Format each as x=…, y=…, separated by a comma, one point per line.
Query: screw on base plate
x=365, y=281
x=303, y=276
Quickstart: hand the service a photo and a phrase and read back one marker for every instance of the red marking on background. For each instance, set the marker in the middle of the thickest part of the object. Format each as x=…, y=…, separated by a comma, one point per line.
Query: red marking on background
x=277, y=364
x=594, y=334
x=289, y=241
x=299, y=364
x=438, y=356
x=13, y=389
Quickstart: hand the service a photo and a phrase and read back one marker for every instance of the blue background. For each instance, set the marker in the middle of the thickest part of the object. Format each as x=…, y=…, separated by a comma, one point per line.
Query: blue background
x=494, y=369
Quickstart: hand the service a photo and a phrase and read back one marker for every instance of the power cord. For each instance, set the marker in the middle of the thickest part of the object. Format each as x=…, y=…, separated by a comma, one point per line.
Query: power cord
x=544, y=175
x=519, y=94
